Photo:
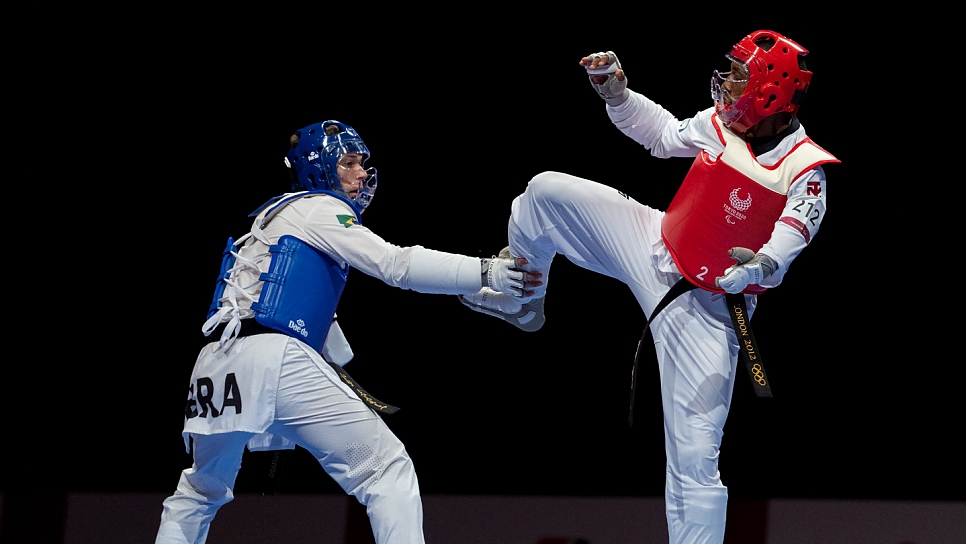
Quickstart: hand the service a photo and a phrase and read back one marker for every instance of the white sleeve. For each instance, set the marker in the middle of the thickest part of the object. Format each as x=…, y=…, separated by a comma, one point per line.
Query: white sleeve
x=328, y=224
x=432, y=271
x=649, y=124
x=798, y=225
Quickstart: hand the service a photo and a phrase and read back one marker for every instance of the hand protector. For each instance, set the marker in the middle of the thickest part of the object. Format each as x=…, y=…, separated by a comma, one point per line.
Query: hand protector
x=751, y=269
x=603, y=80
x=527, y=316
x=501, y=275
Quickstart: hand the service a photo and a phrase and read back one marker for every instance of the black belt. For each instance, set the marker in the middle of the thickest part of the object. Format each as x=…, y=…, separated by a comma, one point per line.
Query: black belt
x=747, y=345
x=251, y=327
x=746, y=340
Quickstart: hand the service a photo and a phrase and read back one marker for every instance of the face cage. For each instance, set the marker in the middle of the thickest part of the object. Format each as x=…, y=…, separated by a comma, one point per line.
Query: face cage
x=334, y=152
x=728, y=113
x=368, y=189
x=717, y=78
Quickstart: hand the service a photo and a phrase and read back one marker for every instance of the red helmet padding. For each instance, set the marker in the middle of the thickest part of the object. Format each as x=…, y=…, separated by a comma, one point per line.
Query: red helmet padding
x=775, y=80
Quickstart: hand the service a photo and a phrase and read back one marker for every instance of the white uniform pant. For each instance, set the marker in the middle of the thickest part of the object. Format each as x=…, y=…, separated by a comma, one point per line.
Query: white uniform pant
x=317, y=411
x=600, y=229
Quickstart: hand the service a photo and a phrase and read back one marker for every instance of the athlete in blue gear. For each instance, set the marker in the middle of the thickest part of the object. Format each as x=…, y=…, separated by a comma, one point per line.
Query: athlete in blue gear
x=272, y=376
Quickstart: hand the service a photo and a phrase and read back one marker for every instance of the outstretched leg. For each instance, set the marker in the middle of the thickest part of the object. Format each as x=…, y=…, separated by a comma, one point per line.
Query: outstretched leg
x=595, y=226
x=203, y=488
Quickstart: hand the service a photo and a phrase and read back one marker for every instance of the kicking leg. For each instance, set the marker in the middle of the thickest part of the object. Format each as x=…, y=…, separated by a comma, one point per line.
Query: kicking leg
x=595, y=226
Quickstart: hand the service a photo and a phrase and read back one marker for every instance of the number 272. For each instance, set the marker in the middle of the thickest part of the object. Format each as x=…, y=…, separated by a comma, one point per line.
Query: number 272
x=811, y=213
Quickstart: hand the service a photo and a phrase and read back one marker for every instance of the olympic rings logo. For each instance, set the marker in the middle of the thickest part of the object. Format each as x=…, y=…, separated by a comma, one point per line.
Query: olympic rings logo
x=758, y=374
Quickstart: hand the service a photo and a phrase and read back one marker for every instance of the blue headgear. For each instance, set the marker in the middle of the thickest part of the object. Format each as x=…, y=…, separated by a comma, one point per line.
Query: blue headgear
x=315, y=160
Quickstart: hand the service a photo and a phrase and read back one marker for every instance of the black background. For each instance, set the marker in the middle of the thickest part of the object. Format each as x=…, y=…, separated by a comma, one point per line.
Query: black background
x=163, y=138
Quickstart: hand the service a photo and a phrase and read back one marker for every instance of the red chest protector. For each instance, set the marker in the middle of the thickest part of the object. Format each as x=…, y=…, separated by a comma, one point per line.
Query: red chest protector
x=730, y=202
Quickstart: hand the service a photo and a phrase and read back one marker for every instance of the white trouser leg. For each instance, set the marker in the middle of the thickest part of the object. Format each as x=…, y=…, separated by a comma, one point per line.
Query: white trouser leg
x=203, y=489
x=593, y=225
x=600, y=229
x=352, y=443
x=697, y=356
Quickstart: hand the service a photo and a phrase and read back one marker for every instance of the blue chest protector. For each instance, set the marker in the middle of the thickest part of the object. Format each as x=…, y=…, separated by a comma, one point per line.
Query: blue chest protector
x=301, y=288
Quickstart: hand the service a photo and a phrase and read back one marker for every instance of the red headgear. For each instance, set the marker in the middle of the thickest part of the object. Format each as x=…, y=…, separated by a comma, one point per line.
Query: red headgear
x=777, y=80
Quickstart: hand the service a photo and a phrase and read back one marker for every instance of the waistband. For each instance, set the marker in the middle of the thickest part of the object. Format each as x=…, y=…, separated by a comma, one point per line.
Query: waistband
x=249, y=327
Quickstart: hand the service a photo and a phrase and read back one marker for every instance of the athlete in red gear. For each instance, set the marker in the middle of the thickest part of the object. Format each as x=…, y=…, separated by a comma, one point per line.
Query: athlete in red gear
x=752, y=201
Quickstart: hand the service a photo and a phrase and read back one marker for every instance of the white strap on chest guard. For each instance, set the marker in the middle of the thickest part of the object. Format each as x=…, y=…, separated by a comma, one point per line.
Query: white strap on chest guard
x=319, y=284
x=225, y=304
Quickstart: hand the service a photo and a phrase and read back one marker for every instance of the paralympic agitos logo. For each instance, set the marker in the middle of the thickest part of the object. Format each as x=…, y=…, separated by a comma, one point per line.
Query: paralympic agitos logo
x=735, y=206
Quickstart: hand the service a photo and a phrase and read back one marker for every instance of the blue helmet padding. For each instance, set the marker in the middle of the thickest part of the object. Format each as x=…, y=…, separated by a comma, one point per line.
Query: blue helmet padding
x=316, y=156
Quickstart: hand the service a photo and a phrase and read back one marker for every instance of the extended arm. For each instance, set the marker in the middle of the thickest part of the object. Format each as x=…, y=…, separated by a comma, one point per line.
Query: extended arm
x=325, y=224
x=640, y=118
